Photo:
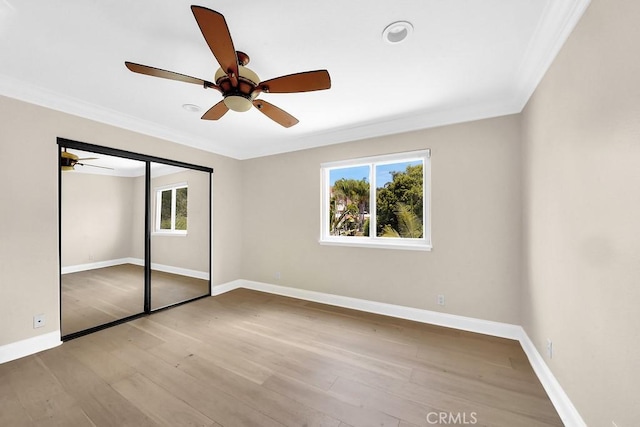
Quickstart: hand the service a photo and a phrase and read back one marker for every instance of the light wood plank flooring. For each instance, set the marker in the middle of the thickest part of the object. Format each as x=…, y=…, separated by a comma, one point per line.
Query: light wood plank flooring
x=247, y=358
x=95, y=297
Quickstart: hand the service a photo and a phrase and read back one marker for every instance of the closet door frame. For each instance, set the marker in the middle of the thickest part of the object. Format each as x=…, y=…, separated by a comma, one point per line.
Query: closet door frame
x=98, y=149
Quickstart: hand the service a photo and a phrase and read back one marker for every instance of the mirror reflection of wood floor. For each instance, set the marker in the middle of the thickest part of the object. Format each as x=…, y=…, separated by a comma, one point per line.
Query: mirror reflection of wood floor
x=95, y=297
x=247, y=358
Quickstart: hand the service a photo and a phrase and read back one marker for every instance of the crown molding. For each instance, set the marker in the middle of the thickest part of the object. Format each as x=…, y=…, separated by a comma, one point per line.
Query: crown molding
x=27, y=92
x=559, y=19
x=554, y=27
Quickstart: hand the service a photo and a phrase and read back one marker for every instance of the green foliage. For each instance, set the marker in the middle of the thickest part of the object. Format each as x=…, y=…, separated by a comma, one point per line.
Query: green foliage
x=389, y=231
x=181, y=208
x=399, y=205
x=353, y=196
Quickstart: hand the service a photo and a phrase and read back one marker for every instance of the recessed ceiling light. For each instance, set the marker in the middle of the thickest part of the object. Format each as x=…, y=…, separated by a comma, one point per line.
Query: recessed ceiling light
x=397, y=32
x=191, y=108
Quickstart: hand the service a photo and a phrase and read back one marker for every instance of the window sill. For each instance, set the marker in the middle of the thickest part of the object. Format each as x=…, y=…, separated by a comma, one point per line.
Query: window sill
x=379, y=244
x=170, y=233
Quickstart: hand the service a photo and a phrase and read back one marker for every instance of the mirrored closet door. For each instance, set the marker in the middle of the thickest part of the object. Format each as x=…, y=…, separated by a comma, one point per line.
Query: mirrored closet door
x=102, y=245
x=134, y=235
x=180, y=236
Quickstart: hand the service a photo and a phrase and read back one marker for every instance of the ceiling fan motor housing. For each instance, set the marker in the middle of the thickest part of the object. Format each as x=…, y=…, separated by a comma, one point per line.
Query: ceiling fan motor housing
x=238, y=98
x=68, y=161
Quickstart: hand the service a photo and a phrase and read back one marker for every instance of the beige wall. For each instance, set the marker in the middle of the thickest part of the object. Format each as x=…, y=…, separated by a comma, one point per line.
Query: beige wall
x=475, y=260
x=29, y=281
x=582, y=214
x=97, y=218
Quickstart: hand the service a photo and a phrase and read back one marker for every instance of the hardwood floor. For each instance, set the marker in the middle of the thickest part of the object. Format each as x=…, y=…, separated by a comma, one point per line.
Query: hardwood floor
x=247, y=358
x=95, y=297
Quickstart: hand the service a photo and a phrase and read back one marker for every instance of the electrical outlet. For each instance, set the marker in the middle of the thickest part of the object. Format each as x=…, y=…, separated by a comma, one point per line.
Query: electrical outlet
x=38, y=321
x=440, y=299
x=549, y=348
x=278, y=276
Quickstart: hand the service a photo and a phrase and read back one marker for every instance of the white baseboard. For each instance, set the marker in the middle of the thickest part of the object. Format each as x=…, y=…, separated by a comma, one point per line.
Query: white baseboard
x=23, y=348
x=180, y=271
x=567, y=412
x=488, y=327
x=94, y=265
x=226, y=287
x=137, y=261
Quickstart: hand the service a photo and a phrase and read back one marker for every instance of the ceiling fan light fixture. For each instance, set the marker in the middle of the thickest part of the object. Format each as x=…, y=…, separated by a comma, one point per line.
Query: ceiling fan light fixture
x=238, y=103
x=397, y=32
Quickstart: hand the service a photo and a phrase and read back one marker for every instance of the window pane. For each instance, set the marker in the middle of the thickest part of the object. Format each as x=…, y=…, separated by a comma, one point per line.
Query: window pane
x=165, y=210
x=399, y=200
x=349, y=201
x=181, y=209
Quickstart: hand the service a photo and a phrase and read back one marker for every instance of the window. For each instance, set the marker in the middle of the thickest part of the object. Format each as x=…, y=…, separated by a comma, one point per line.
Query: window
x=171, y=209
x=378, y=201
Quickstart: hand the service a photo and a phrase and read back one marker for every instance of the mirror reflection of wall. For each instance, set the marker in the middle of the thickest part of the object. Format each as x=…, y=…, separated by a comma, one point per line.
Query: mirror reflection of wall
x=102, y=221
x=180, y=234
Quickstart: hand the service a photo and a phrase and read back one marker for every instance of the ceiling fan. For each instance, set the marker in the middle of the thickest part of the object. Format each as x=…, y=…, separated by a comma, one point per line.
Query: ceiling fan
x=68, y=161
x=239, y=85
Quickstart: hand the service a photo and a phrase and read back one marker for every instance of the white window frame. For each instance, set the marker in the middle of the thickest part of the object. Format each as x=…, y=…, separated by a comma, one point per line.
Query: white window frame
x=158, y=193
x=423, y=243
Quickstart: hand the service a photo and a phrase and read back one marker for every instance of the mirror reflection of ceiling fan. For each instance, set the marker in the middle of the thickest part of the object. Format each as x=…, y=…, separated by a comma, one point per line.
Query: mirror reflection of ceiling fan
x=239, y=85
x=68, y=161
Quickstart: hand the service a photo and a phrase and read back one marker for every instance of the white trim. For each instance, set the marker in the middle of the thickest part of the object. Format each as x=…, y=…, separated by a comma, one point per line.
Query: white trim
x=405, y=156
x=18, y=349
x=158, y=193
x=567, y=412
x=137, y=261
x=373, y=241
x=503, y=330
x=96, y=265
x=226, y=287
x=561, y=16
x=171, y=186
x=488, y=327
x=379, y=243
x=38, y=95
x=170, y=233
x=180, y=271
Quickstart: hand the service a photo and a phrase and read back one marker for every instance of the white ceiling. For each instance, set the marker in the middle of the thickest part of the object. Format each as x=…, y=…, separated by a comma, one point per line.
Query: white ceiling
x=465, y=60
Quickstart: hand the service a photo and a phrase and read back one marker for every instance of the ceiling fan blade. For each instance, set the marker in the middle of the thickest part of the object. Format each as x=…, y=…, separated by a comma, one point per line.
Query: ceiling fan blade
x=300, y=82
x=274, y=113
x=157, y=72
x=216, y=33
x=94, y=166
x=215, y=112
x=88, y=158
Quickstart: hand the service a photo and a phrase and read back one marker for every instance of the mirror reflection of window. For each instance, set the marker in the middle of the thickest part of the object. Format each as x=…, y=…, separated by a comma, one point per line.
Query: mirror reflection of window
x=172, y=208
x=180, y=238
